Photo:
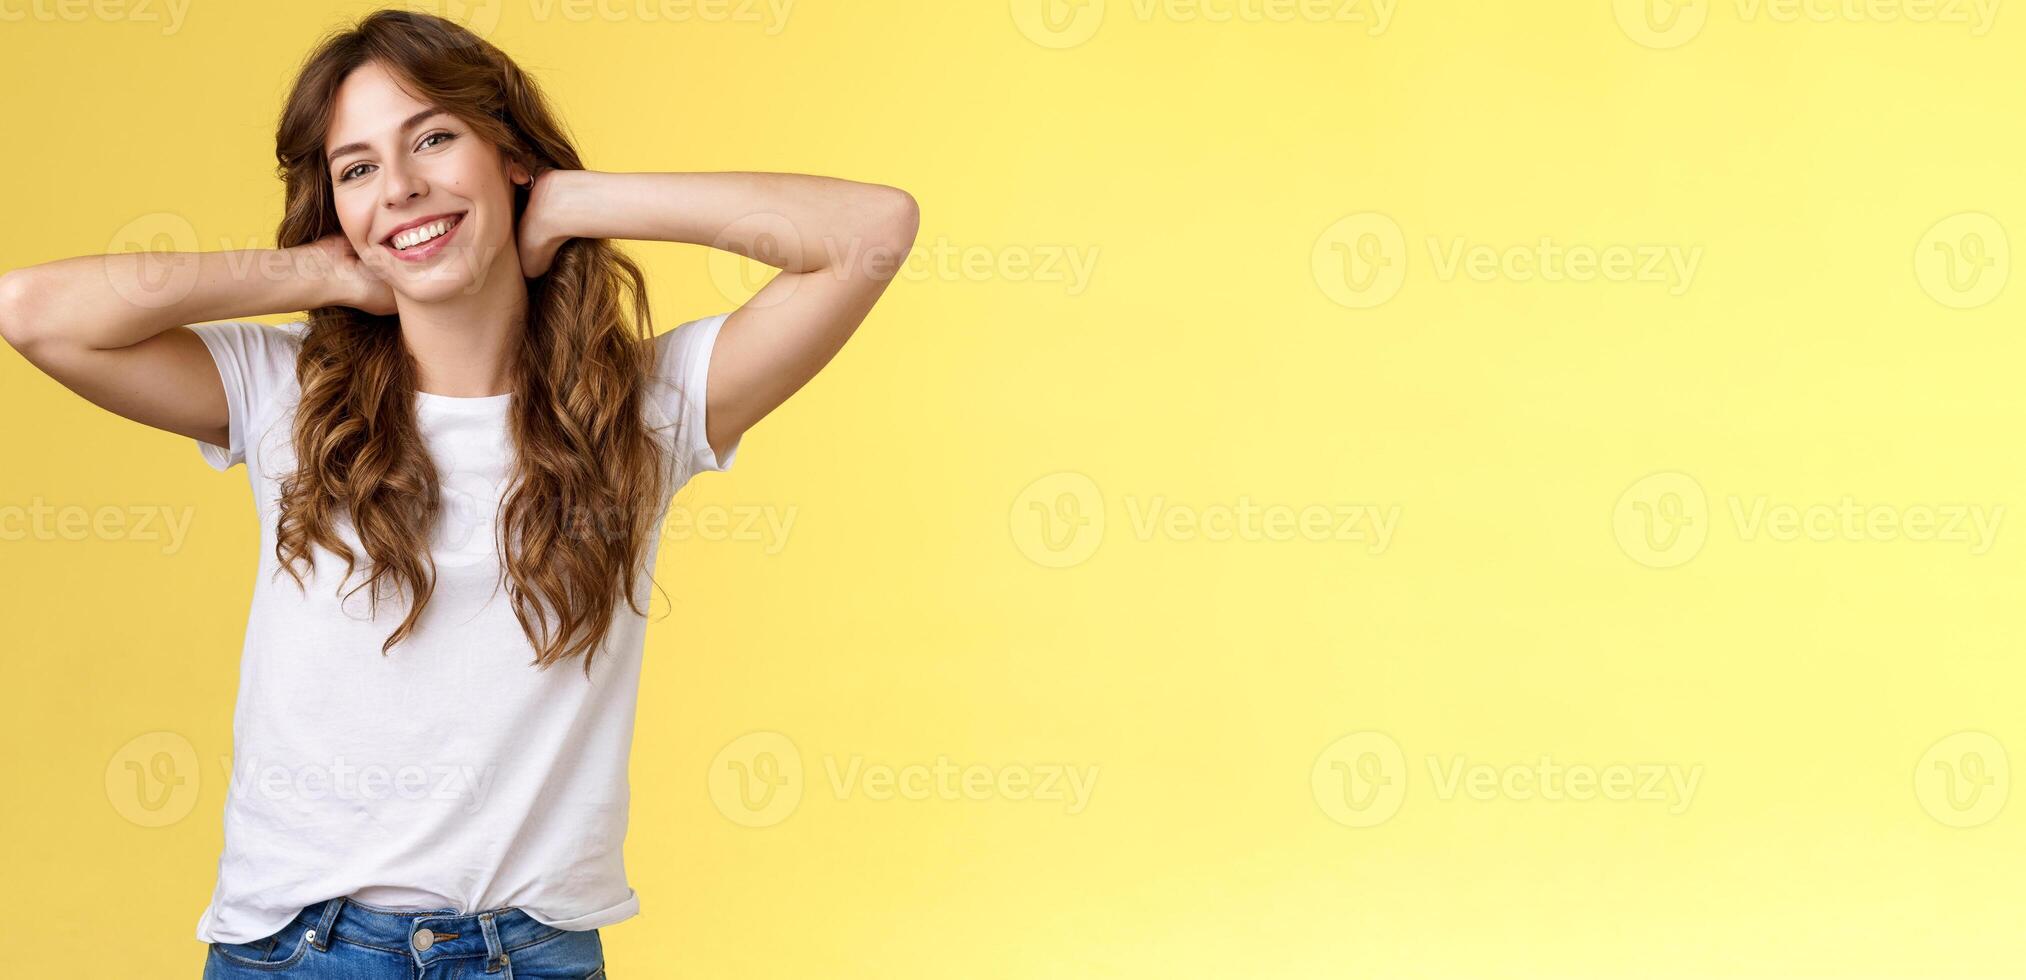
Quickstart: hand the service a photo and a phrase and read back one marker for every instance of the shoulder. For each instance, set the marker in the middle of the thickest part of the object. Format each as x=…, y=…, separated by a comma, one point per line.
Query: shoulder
x=250, y=344
x=256, y=366
x=678, y=392
x=253, y=356
x=681, y=349
x=290, y=332
x=682, y=363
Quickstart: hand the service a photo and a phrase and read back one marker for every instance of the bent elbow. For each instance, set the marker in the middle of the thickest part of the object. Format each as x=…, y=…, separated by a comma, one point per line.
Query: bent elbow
x=905, y=215
x=14, y=314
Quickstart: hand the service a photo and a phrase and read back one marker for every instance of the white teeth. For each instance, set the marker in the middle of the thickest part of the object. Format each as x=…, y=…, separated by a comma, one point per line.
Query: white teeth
x=416, y=236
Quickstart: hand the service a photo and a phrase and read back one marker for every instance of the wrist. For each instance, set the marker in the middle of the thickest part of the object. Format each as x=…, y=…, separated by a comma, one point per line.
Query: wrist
x=556, y=206
x=328, y=270
x=316, y=278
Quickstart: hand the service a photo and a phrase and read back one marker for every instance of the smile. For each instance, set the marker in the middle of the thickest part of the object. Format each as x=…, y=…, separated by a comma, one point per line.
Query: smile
x=424, y=239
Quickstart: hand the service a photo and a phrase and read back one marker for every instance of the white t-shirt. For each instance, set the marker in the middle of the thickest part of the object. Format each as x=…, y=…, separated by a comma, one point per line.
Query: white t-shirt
x=448, y=773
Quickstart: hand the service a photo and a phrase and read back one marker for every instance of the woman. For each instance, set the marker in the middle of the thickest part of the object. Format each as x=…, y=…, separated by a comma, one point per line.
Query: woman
x=468, y=419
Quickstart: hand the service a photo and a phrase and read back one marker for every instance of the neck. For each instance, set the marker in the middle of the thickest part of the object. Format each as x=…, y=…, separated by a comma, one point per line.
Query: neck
x=464, y=345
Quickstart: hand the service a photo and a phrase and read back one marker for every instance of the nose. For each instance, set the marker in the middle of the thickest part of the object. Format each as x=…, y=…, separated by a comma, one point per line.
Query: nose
x=399, y=185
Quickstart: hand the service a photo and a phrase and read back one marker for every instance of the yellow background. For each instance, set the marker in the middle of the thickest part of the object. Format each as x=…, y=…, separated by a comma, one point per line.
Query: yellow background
x=915, y=610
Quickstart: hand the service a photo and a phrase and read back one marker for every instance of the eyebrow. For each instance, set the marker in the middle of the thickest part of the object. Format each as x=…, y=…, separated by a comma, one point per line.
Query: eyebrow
x=406, y=125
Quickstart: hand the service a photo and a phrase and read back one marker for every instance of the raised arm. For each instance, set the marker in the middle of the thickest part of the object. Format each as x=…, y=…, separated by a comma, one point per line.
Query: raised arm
x=111, y=327
x=838, y=243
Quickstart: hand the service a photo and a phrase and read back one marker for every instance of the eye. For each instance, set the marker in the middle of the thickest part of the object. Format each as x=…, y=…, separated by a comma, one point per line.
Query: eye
x=353, y=171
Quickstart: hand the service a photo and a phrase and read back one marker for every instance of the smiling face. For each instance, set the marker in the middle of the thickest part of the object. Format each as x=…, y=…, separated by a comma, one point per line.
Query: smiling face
x=424, y=200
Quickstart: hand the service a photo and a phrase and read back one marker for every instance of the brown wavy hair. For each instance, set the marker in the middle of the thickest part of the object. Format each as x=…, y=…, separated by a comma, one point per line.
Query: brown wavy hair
x=590, y=475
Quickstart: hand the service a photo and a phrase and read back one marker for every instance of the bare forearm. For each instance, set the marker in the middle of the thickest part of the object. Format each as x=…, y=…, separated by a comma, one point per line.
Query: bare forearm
x=112, y=301
x=794, y=222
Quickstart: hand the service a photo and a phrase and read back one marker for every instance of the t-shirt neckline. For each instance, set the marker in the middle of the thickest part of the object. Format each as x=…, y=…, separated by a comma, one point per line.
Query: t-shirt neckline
x=474, y=402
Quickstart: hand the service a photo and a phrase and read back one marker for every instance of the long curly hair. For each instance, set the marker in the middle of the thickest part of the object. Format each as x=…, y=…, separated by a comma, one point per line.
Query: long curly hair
x=575, y=530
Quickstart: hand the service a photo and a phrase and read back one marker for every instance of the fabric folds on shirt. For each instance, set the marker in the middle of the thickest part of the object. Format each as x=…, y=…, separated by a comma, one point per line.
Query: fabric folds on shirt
x=449, y=773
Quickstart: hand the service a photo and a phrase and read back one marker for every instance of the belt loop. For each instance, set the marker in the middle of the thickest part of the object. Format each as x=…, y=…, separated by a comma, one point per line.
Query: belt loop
x=322, y=940
x=495, y=955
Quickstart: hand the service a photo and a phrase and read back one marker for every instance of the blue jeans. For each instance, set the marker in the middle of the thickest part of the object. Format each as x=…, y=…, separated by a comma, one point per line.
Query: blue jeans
x=340, y=939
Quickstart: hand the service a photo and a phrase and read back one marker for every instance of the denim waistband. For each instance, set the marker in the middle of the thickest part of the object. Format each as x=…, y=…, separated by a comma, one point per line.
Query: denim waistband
x=426, y=935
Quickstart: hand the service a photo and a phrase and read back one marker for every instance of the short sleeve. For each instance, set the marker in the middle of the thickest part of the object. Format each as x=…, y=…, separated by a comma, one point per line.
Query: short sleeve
x=254, y=360
x=682, y=372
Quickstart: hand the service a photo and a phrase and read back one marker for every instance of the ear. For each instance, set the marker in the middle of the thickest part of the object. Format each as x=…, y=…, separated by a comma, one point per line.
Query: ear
x=519, y=174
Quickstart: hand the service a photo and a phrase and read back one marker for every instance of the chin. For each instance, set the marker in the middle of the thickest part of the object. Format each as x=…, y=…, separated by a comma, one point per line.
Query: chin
x=448, y=277
x=438, y=288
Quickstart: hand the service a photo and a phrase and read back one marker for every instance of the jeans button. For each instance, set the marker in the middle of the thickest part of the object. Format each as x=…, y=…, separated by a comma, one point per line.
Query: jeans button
x=424, y=939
